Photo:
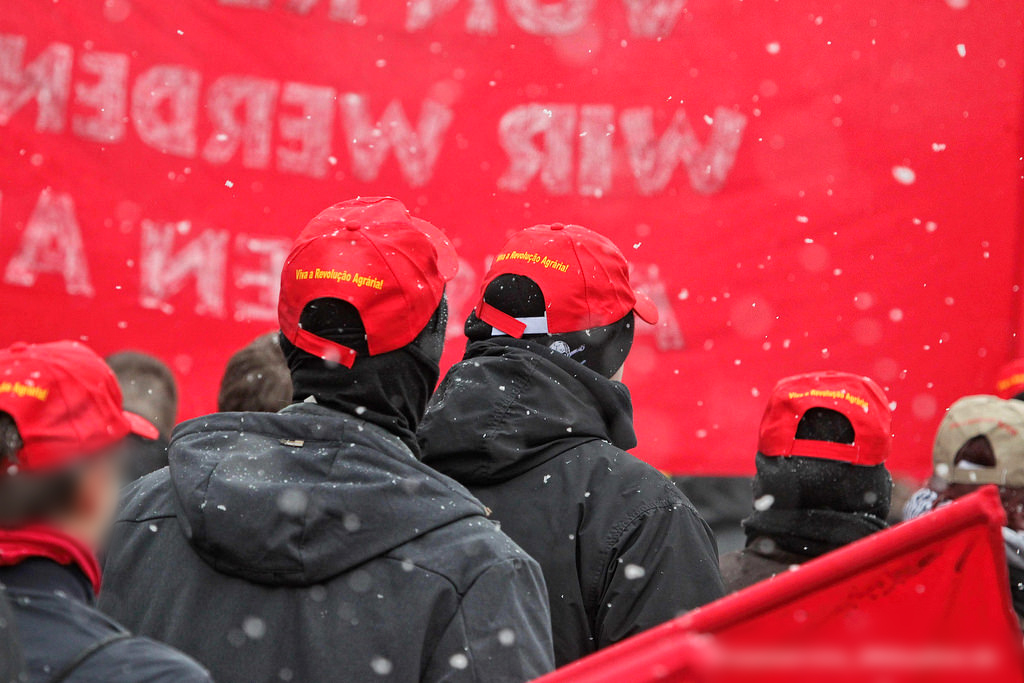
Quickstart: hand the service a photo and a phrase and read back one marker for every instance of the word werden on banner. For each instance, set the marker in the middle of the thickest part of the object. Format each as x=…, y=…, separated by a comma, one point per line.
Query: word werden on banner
x=295, y=127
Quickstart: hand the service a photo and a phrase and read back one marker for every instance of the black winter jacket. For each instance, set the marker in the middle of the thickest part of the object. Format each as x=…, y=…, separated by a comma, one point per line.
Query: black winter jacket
x=12, y=665
x=309, y=546
x=64, y=638
x=540, y=440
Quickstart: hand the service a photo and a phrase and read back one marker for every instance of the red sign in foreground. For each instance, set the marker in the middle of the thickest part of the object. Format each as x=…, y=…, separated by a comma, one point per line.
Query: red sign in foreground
x=926, y=601
x=800, y=185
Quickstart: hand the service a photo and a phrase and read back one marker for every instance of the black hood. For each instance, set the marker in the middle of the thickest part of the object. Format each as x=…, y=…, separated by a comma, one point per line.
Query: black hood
x=513, y=404
x=296, y=497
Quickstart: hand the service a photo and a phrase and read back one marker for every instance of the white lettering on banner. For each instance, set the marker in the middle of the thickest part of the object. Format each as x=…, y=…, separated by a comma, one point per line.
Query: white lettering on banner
x=481, y=19
x=309, y=132
x=256, y=97
x=107, y=97
x=461, y=293
x=291, y=127
x=653, y=18
x=653, y=161
x=544, y=18
x=369, y=143
x=337, y=10
x=163, y=273
x=668, y=333
x=556, y=124
x=597, y=128
x=46, y=80
x=175, y=88
x=273, y=252
x=650, y=19
x=51, y=243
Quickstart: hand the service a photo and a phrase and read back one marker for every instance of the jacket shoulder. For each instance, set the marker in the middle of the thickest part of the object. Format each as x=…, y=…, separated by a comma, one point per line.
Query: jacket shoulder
x=137, y=659
x=149, y=497
x=607, y=469
x=461, y=551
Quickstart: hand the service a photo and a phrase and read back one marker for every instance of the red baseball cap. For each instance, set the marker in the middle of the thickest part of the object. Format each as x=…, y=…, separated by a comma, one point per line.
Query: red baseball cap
x=583, y=276
x=371, y=253
x=66, y=404
x=859, y=398
x=1011, y=379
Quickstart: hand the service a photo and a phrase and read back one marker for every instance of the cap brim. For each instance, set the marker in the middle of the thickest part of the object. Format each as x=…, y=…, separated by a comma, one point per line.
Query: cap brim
x=447, y=257
x=141, y=426
x=645, y=308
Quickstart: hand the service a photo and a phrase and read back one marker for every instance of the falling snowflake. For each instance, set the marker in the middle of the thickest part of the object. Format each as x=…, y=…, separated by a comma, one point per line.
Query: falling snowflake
x=904, y=175
x=633, y=572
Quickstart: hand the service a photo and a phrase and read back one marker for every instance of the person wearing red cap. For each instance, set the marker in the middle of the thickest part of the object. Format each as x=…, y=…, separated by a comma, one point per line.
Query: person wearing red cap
x=1010, y=382
x=535, y=423
x=821, y=480
x=62, y=430
x=312, y=544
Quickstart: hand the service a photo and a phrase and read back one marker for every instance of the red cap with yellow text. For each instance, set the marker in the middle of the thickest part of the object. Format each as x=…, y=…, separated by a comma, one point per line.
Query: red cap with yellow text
x=1011, y=379
x=371, y=253
x=66, y=404
x=583, y=276
x=858, y=398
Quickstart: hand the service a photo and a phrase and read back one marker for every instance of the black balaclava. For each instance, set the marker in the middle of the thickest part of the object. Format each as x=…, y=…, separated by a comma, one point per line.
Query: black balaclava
x=390, y=390
x=602, y=349
x=811, y=506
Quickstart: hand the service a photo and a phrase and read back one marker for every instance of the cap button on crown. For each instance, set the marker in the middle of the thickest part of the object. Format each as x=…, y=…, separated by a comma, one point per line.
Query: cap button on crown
x=558, y=226
x=352, y=226
x=19, y=347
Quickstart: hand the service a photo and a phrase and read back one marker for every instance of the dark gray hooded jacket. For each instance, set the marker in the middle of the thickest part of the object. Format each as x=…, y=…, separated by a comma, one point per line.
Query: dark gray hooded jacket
x=65, y=639
x=541, y=440
x=310, y=545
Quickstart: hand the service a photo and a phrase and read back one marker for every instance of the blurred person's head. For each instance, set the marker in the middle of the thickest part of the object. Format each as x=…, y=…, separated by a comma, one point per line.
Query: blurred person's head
x=256, y=378
x=62, y=428
x=363, y=312
x=148, y=387
x=981, y=441
x=567, y=288
x=824, y=440
x=1010, y=380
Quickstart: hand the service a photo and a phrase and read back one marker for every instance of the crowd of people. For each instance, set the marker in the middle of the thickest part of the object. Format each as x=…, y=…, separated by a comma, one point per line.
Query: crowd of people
x=340, y=519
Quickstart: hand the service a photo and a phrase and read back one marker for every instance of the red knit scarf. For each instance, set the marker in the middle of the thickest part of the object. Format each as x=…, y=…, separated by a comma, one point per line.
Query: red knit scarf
x=17, y=545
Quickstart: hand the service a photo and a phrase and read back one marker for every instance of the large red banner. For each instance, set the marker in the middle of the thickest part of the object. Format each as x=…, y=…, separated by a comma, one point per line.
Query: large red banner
x=799, y=185
x=927, y=601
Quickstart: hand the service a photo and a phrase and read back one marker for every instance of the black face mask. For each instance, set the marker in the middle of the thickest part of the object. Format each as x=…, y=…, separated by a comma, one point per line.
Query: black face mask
x=812, y=506
x=389, y=390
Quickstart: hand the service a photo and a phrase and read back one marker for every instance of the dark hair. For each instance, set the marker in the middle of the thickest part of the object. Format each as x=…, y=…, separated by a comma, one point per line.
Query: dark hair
x=336, y=320
x=339, y=321
x=515, y=295
x=25, y=497
x=978, y=451
x=148, y=387
x=825, y=424
x=256, y=378
x=601, y=349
